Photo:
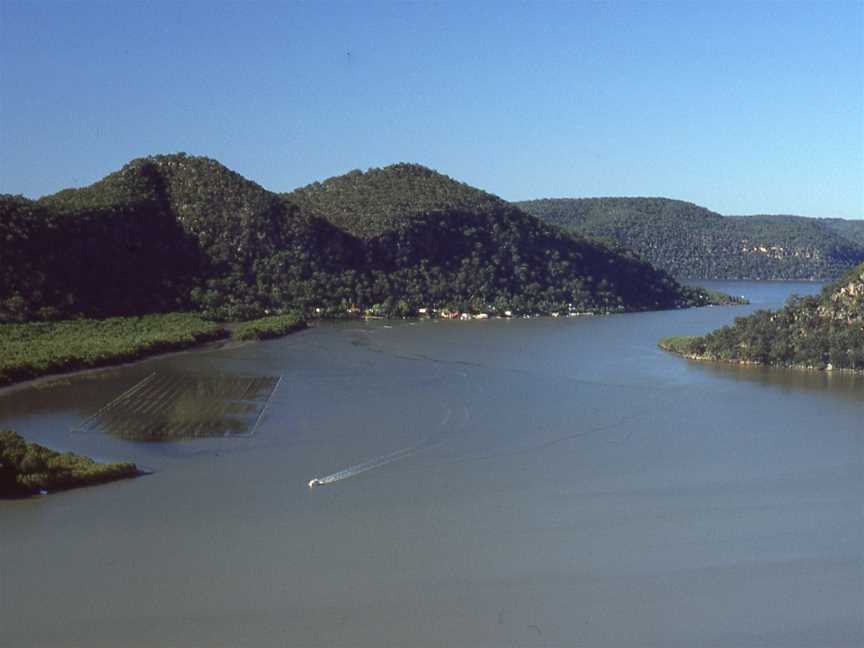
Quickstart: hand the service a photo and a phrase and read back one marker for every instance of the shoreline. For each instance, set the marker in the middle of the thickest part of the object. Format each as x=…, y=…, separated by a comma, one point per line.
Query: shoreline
x=214, y=344
x=28, y=469
x=61, y=375
x=230, y=341
x=696, y=357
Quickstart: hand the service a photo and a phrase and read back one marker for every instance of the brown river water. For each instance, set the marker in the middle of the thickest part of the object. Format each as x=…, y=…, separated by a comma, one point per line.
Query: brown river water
x=542, y=482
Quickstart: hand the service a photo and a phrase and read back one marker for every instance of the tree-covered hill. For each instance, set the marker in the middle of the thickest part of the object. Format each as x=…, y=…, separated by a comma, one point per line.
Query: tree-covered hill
x=367, y=204
x=127, y=258
x=689, y=241
x=824, y=331
x=433, y=241
x=163, y=233
x=177, y=232
x=849, y=229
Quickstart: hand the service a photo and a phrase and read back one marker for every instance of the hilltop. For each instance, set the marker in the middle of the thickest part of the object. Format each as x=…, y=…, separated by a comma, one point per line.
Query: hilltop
x=431, y=239
x=822, y=332
x=368, y=204
x=179, y=232
x=170, y=232
x=689, y=241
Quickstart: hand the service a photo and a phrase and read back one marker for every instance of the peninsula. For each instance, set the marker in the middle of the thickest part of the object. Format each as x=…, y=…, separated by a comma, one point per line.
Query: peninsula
x=820, y=332
x=30, y=469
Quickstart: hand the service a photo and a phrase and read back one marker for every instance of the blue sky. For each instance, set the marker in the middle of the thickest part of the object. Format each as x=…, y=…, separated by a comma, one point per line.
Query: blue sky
x=743, y=107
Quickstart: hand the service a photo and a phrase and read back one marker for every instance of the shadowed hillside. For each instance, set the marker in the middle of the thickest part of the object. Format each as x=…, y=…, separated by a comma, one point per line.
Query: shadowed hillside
x=163, y=233
x=176, y=232
x=431, y=239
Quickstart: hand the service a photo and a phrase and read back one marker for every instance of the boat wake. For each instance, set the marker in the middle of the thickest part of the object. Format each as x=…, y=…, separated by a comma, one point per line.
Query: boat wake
x=357, y=469
x=378, y=462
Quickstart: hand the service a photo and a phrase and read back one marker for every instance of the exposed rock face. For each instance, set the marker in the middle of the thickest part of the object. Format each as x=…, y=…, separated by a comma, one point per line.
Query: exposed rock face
x=846, y=302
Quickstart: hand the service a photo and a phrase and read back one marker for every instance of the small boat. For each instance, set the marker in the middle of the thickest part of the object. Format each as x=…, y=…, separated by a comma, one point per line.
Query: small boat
x=315, y=482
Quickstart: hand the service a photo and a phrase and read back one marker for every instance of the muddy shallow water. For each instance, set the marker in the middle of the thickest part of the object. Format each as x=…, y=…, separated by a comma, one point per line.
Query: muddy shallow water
x=499, y=483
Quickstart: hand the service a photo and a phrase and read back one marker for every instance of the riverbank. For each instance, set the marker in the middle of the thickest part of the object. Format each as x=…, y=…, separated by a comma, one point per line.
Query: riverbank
x=40, y=349
x=500, y=398
x=267, y=328
x=31, y=469
x=682, y=345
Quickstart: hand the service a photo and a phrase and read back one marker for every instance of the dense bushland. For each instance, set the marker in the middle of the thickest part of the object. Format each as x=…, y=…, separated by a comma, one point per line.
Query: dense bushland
x=689, y=241
x=268, y=327
x=824, y=331
x=39, y=348
x=177, y=232
x=430, y=241
x=28, y=468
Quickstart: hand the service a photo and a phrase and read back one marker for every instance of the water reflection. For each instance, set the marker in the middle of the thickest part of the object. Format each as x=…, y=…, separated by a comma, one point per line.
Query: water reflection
x=838, y=384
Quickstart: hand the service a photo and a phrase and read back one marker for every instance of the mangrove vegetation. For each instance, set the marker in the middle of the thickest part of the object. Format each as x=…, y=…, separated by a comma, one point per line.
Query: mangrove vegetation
x=38, y=348
x=34, y=349
x=268, y=327
x=29, y=468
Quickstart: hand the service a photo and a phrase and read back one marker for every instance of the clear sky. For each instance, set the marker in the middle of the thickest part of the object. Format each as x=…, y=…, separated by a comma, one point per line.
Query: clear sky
x=743, y=107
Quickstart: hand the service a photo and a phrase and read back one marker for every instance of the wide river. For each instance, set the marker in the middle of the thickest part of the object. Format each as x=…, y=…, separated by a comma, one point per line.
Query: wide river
x=542, y=482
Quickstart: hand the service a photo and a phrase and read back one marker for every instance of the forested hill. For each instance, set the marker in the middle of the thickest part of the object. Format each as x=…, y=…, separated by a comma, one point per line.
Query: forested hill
x=433, y=239
x=689, y=241
x=162, y=233
x=180, y=232
x=850, y=229
x=371, y=203
x=824, y=331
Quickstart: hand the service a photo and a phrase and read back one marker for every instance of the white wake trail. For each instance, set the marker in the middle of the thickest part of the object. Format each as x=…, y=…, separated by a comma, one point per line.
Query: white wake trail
x=378, y=462
x=352, y=471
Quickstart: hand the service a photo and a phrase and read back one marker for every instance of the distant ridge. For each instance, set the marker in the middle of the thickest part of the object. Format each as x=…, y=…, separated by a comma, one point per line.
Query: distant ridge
x=179, y=232
x=691, y=242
